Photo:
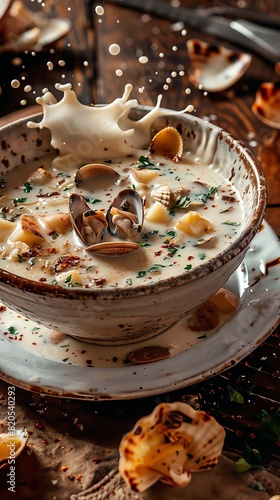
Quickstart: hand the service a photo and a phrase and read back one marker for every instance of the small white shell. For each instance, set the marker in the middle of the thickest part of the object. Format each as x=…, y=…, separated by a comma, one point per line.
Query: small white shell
x=96, y=173
x=11, y=445
x=163, y=195
x=214, y=67
x=168, y=142
x=267, y=104
x=169, y=444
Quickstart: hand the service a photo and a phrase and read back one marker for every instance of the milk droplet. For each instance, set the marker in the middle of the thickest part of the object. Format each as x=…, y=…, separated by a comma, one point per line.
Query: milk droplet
x=174, y=48
x=85, y=63
x=27, y=88
x=165, y=87
x=145, y=18
x=174, y=74
x=50, y=65
x=99, y=10
x=188, y=91
x=15, y=84
x=143, y=59
x=161, y=54
x=61, y=62
x=23, y=102
x=119, y=72
x=114, y=49
x=184, y=32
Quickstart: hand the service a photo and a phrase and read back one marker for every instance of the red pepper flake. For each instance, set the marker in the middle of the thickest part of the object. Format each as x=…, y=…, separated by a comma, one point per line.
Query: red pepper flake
x=79, y=478
x=239, y=433
x=29, y=433
x=39, y=425
x=42, y=280
x=190, y=257
x=44, y=441
x=57, y=440
x=96, y=460
x=3, y=308
x=64, y=468
x=252, y=435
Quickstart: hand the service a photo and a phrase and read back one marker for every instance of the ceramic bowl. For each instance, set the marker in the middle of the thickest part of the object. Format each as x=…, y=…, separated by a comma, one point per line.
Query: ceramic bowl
x=119, y=316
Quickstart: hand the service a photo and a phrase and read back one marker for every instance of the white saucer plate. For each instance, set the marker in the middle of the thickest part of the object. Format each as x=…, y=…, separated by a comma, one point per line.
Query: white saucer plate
x=39, y=360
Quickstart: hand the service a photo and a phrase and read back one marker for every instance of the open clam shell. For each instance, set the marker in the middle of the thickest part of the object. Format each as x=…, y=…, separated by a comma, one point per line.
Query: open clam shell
x=167, y=142
x=267, y=104
x=89, y=224
x=96, y=175
x=214, y=67
x=168, y=445
x=125, y=215
x=11, y=445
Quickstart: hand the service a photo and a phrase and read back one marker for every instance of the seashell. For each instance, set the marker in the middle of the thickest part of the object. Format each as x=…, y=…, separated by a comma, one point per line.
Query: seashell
x=168, y=142
x=164, y=195
x=148, y=354
x=97, y=175
x=125, y=215
x=203, y=241
x=267, y=104
x=89, y=224
x=168, y=445
x=214, y=67
x=11, y=445
x=113, y=248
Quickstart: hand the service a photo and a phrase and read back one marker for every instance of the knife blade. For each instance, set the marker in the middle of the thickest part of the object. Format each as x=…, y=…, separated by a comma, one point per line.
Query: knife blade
x=214, y=26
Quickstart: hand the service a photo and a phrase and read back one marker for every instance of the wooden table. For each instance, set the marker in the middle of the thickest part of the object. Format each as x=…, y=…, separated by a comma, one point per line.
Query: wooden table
x=99, y=77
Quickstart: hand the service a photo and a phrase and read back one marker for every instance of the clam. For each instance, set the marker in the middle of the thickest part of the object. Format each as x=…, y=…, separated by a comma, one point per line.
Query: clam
x=168, y=445
x=113, y=248
x=214, y=67
x=167, y=142
x=89, y=224
x=267, y=104
x=11, y=445
x=97, y=175
x=126, y=214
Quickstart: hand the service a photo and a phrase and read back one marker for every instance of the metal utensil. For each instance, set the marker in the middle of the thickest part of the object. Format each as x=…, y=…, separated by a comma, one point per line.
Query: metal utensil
x=262, y=40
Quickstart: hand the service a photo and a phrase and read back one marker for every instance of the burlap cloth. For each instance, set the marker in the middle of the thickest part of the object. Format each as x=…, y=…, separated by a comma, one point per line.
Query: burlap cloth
x=72, y=454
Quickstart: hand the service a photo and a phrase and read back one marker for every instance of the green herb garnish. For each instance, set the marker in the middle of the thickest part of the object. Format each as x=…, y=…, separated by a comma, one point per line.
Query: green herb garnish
x=128, y=281
x=234, y=395
x=206, y=196
x=229, y=223
x=12, y=330
x=27, y=187
x=144, y=162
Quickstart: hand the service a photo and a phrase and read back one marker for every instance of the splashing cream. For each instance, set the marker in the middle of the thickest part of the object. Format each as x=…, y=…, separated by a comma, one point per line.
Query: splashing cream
x=82, y=133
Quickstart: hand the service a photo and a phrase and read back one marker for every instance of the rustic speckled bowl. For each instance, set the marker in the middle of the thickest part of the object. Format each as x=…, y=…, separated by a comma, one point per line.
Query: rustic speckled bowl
x=118, y=316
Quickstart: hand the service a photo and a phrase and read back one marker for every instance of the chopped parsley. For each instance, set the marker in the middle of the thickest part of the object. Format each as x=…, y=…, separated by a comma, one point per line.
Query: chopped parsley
x=128, y=281
x=229, y=223
x=27, y=187
x=234, y=395
x=144, y=162
x=12, y=330
x=210, y=194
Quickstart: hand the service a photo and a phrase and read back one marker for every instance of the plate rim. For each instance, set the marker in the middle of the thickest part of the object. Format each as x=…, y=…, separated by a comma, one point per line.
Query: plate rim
x=156, y=378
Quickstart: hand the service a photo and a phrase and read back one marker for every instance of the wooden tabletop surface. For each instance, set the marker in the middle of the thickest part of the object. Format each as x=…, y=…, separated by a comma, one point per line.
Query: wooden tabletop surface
x=99, y=77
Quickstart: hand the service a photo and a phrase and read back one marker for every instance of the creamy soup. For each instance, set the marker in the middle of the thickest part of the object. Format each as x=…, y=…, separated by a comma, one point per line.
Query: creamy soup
x=72, y=225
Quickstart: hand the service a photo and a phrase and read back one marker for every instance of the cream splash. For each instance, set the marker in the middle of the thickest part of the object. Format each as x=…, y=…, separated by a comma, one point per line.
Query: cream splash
x=84, y=133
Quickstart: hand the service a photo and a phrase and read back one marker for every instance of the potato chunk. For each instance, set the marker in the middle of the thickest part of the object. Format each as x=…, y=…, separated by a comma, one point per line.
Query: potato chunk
x=194, y=224
x=69, y=278
x=206, y=317
x=225, y=300
x=31, y=231
x=158, y=214
x=145, y=175
x=6, y=229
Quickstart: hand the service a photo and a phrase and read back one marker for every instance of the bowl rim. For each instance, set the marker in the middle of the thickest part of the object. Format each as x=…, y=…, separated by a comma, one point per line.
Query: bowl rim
x=224, y=257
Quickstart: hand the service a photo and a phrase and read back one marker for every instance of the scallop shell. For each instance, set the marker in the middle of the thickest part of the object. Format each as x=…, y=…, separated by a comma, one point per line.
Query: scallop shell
x=168, y=445
x=168, y=142
x=11, y=445
x=113, y=249
x=163, y=194
x=214, y=67
x=96, y=173
x=267, y=104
